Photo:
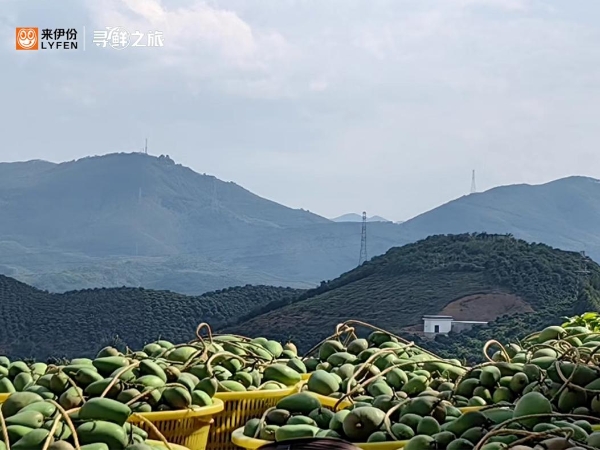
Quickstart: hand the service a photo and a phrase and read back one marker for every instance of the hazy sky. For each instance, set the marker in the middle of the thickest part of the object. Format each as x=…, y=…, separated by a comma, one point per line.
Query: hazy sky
x=330, y=105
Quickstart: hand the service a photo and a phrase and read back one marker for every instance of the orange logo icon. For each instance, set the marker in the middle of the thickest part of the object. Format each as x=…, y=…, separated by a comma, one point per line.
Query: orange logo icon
x=27, y=38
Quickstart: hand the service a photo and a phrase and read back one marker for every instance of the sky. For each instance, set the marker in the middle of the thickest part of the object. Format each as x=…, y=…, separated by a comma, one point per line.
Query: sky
x=333, y=106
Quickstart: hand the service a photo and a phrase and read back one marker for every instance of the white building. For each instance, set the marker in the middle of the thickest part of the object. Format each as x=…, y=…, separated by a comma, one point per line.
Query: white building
x=437, y=324
x=433, y=325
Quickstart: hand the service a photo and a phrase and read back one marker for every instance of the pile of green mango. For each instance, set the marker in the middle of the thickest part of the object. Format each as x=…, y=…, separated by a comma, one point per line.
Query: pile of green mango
x=531, y=420
x=557, y=362
x=161, y=376
x=100, y=424
x=423, y=422
x=377, y=365
x=15, y=376
x=386, y=419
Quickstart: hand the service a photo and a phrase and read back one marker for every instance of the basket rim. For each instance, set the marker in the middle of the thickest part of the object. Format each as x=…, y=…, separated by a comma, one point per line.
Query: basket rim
x=238, y=438
x=211, y=410
x=242, y=395
x=172, y=445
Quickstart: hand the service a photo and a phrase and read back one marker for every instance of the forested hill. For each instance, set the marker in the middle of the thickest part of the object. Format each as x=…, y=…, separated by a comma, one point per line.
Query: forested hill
x=526, y=285
x=518, y=286
x=34, y=323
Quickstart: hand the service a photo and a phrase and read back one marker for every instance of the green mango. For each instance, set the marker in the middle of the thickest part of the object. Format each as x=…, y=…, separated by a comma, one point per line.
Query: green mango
x=30, y=419
x=17, y=401
x=105, y=409
x=108, y=433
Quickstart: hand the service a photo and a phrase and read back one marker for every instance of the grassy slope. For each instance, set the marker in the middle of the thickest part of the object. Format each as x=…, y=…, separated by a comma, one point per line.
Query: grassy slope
x=35, y=323
x=396, y=289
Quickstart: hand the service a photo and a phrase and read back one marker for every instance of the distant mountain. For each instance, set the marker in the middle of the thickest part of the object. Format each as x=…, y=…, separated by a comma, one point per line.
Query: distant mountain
x=516, y=286
x=353, y=217
x=37, y=324
x=564, y=213
x=138, y=220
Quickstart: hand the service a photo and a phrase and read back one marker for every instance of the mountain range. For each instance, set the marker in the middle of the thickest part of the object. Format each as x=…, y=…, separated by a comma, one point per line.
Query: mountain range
x=139, y=220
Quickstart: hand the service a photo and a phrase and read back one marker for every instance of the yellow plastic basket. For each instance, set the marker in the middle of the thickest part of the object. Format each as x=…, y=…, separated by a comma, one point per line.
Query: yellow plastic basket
x=188, y=428
x=238, y=438
x=239, y=408
x=305, y=376
x=162, y=444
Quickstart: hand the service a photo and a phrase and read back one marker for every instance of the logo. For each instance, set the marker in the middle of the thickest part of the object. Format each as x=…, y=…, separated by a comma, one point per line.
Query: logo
x=119, y=38
x=59, y=38
x=50, y=39
x=27, y=38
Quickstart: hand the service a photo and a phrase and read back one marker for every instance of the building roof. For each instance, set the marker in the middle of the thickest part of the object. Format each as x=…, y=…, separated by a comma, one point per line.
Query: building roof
x=437, y=317
x=468, y=321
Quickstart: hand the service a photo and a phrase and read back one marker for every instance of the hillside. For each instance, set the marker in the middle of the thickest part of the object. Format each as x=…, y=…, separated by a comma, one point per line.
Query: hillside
x=395, y=290
x=37, y=324
x=516, y=285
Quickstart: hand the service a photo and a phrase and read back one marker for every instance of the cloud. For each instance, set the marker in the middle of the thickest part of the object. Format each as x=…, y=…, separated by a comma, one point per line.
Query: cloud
x=318, y=85
x=295, y=100
x=509, y=5
x=199, y=39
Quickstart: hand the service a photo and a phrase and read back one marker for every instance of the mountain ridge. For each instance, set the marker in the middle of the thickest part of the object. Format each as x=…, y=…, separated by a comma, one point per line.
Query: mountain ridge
x=140, y=220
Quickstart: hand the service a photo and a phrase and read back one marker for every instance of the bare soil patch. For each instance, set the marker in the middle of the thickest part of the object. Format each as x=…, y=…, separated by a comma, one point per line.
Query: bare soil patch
x=485, y=307
x=479, y=307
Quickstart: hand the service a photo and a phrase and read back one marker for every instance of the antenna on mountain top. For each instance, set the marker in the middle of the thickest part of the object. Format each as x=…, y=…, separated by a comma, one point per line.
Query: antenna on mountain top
x=146, y=147
x=473, y=186
x=363, y=240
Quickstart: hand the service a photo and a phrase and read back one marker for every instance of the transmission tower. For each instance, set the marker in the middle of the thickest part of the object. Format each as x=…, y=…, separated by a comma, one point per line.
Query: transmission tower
x=582, y=273
x=363, y=240
x=473, y=186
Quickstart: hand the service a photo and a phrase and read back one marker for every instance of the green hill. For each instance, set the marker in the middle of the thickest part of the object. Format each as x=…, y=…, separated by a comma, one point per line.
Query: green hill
x=519, y=287
x=395, y=290
x=38, y=324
